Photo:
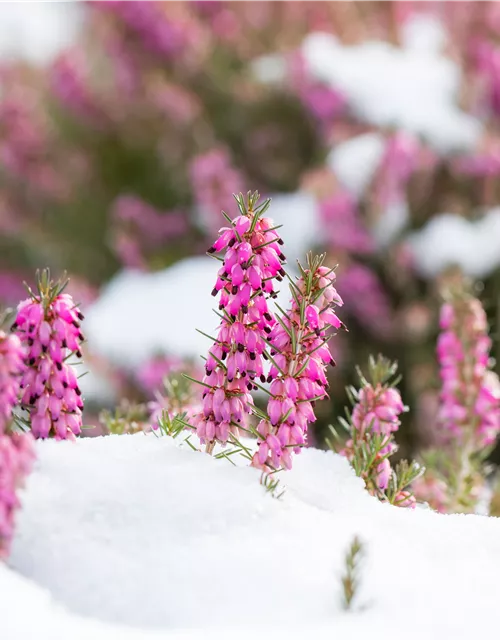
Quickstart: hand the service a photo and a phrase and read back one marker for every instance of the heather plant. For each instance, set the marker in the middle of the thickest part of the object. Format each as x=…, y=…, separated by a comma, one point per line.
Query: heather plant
x=48, y=326
x=294, y=343
x=469, y=413
x=16, y=449
x=370, y=427
x=12, y=367
x=351, y=577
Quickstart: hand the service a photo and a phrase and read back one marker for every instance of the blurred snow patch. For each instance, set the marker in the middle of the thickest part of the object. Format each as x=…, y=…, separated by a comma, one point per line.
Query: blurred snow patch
x=390, y=224
x=298, y=213
x=37, y=31
x=269, y=69
x=414, y=89
x=140, y=314
x=355, y=161
x=449, y=239
x=423, y=33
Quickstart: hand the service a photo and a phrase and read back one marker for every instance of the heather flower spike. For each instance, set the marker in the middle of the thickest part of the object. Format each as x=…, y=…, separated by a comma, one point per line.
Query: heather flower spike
x=11, y=369
x=377, y=406
x=299, y=355
x=469, y=414
x=48, y=326
x=252, y=262
x=16, y=458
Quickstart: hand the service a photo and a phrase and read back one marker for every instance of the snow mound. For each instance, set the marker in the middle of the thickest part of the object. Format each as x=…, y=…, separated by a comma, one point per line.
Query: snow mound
x=449, y=239
x=412, y=88
x=355, y=161
x=140, y=314
x=138, y=532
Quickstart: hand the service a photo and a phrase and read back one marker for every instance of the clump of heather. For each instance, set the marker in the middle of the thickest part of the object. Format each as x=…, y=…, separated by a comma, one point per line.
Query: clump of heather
x=16, y=458
x=48, y=325
x=371, y=425
x=469, y=414
x=299, y=355
x=251, y=263
x=11, y=369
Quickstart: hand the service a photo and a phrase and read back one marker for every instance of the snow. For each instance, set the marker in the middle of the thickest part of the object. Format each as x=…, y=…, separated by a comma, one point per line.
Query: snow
x=37, y=31
x=139, y=532
x=355, y=161
x=449, y=239
x=423, y=32
x=413, y=88
x=140, y=314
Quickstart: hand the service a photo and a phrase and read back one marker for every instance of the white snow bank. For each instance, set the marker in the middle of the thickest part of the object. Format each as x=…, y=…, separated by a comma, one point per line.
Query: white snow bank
x=37, y=31
x=139, y=314
x=449, y=239
x=411, y=88
x=136, y=531
x=355, y=161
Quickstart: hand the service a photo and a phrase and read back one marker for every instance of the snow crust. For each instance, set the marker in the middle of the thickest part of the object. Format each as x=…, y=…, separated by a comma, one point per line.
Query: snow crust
x=449, y=239
x=413, y=88
x=138, y=532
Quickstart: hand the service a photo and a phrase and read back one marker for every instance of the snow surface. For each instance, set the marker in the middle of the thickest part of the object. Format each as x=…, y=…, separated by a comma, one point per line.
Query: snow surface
x=138, y=531
x=355, y=161
x=413, y=88
x=37, y=31
x=449, y=239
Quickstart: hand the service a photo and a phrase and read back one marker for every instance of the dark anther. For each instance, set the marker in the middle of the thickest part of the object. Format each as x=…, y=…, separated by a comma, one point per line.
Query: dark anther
x=80, y=315
x=282, y=272
x=211, y=250
x=267, y=329
x=224, y=355
x=32, y=361
x=64, y=344
x=234, y=290
x=244, y=308
x=262, y=378
x=214, y=292
x=59, y=366
x=264, y=355
x=252, y=356
x=280, y=241
x=268, y=316
x=241, y=347
x=231, y=242
x=78, y=354
x=65, y=384
x=269, y=378
x=282, y=257
x=30, y=342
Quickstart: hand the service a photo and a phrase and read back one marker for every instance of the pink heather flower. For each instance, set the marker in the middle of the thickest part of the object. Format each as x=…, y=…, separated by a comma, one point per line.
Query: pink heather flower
x=252, y=261
x=163, y=30
x=151, y=374
x=69, y=79
x=470, y=392
x=11, y=367
x=214, y=180
x=138, y=228
x=16, y=458
x=398, y=163
x=342, y=225
x=433, y=490
x=374, y=419
x=405, y=499
x=49, y=328
x=366, y=300
x=299, y=357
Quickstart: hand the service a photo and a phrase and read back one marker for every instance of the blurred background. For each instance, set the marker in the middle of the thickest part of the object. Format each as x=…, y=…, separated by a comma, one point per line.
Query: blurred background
x=126, y=126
